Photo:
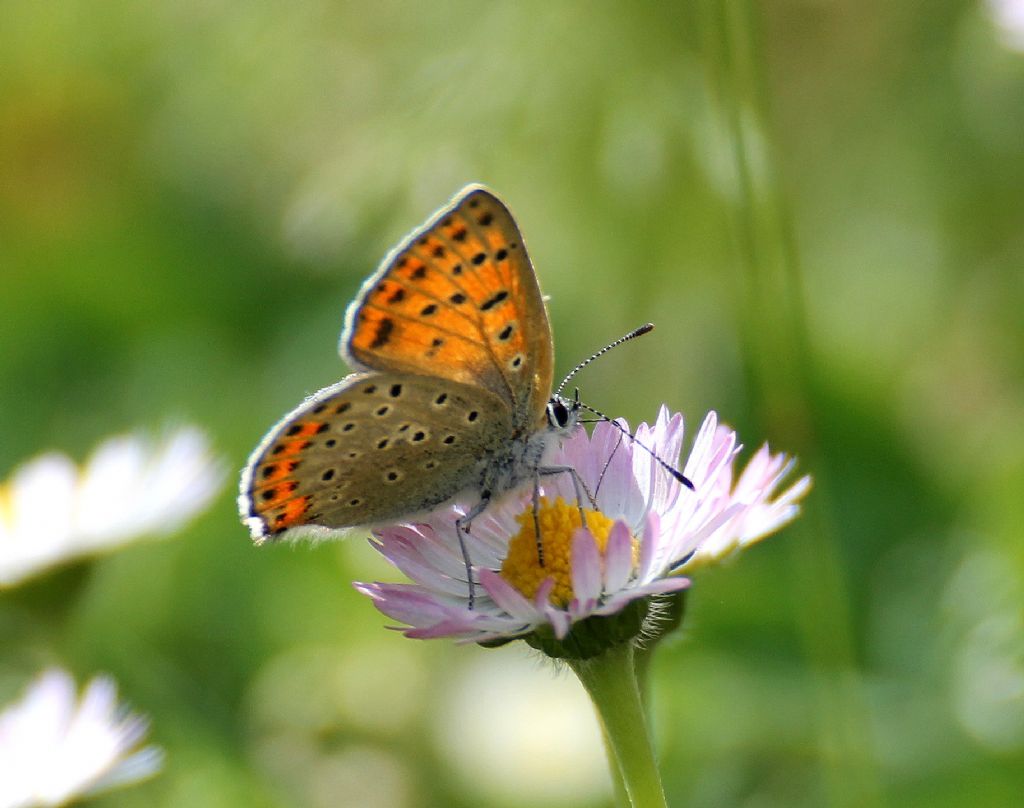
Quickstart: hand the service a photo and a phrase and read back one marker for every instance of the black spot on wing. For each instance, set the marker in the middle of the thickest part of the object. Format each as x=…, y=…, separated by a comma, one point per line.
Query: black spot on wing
x=383, y=334
x=494, y=300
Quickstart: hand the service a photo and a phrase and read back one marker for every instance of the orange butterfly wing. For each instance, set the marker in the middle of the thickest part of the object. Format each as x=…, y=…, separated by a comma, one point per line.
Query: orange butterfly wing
x=459, y=299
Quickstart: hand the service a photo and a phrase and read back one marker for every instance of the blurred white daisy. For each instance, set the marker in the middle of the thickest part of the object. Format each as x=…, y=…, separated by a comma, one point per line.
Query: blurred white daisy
x=52, y=511
x=1008, y=18
x=536, y=737
x=985, y=619
x=54, y=748
x=647, y=529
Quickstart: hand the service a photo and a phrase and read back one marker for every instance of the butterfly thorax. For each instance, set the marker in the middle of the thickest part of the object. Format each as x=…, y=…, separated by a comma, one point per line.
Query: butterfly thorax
x=518, y=460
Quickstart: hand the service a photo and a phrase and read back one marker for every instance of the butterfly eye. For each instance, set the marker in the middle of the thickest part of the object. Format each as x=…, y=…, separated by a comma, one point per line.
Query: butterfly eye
x=558, y=414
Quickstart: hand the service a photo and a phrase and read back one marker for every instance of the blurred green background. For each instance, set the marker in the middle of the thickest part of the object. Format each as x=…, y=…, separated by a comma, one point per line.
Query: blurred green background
x=820, y=205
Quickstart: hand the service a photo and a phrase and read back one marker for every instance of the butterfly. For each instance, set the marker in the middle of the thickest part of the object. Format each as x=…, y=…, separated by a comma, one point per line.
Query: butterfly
x=452, y=394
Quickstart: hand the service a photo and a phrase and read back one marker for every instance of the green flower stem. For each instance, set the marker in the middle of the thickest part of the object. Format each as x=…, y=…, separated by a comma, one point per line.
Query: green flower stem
x=618, y=786
x=610, y=679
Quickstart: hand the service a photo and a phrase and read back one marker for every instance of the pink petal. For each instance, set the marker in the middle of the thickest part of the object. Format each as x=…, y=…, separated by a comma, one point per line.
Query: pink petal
x=649, y=545
x=696, y=463
x=618, y=557
x=507, y=597
x=659, y=586
x=541, y=600
x=586, y=567
x=560, y=621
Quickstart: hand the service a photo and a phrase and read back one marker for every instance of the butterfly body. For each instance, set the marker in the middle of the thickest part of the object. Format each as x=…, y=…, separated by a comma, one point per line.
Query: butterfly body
x=452, y=395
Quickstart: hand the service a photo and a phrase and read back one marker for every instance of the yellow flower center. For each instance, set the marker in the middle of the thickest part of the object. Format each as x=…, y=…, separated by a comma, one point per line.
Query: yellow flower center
x=557, y=521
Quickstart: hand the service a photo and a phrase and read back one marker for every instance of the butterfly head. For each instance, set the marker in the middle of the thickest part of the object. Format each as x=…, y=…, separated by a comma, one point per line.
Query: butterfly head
x=563, y=413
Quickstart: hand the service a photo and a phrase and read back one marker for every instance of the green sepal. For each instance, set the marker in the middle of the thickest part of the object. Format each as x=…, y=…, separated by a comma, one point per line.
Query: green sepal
x=593, y=636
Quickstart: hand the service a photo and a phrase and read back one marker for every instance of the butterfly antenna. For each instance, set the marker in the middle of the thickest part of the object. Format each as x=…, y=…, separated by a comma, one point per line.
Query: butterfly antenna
x=637, y=332
x=682, y=478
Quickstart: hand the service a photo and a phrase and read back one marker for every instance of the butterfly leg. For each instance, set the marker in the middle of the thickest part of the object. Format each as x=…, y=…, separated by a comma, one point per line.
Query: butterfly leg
x=577, y=483
x=536, y=518
x=608, y=463
x=462, y=526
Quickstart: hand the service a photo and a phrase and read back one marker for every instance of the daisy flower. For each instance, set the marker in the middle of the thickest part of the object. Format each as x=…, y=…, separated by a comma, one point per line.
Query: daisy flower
x=645, y=532
x=52, y=511
x=55, y=748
